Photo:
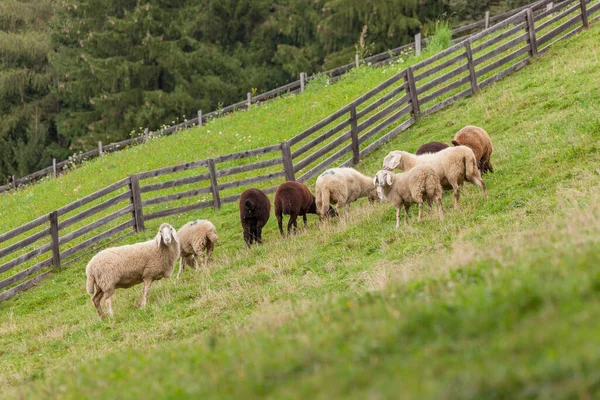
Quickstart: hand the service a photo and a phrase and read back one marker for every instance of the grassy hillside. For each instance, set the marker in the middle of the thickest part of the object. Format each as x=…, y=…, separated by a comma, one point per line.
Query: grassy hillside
x=501, y=299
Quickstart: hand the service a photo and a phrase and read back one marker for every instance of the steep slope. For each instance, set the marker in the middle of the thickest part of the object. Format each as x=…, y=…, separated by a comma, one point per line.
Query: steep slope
x=500, y=299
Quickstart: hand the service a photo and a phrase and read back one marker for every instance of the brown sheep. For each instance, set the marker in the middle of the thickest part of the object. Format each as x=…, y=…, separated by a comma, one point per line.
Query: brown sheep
x=431, y=147
x=294, y=199
x=479, y=141
x=255, y=209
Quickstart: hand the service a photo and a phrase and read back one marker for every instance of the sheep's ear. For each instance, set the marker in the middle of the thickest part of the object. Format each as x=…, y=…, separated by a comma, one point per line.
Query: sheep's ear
x=175, y=237
x=157, y=239
x=380, y=193
x=388, y=178
x=375, y=180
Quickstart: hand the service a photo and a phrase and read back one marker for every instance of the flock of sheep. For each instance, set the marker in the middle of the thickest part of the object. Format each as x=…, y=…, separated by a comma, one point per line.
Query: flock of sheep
x=434, y=167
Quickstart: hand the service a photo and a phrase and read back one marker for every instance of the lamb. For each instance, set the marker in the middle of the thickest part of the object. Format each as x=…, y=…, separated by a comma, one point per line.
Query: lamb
x=255, y=208
x=453, y=166
x=479, y=141
x=342, y=186
x=431, y=147
x=294, y=199
x=195, y=238
x=415, y=186
x=126, y=266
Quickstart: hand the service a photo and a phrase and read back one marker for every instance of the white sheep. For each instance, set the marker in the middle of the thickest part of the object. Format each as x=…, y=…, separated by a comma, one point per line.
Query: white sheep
x=195, y=238
x=126, y=266
x=415, y=186
x=453, y=165
x=342, y=186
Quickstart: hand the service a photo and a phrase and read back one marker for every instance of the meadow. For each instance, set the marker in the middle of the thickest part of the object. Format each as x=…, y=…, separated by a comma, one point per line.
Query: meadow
x=499, y=300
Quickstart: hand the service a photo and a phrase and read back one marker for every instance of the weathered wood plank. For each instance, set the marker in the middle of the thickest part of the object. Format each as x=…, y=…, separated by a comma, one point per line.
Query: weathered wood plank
x=251, y=181
x=54, y=235
x=563, y=37
x=96, y=224
x=558, y=30
x=214, y=187
x=447, y=102
x=382, y=114
x=249, y=167
x=557, y=17
x=439, y=67
x=445, y=89
x=354, y=136
x=176, y=196
x=443, y=78
x=288, y=163
x=325, y=164
x=25, y=257
x=504, y=72
x=94, y=210
x=500, y=49
x=24, y=228
x=94, y=196
x=7, y=294
x=25, y=273
x=25, y=242
x=137, y=213
x=593, y=9
x=98, y=238
x=383, y=125
x=517, y=18
x=386, y=138
x=382, y=100
x=319, y=139
x=169, y=170
x=324, y=122
x=247, y=153
x=531, y=32
x=502, y=61
x=411, y=91
x=496, y=39
x=442, y=54
x=174, y=183
x=322, y=151
x=178, y=210
x=584, y=17
x=472, y=76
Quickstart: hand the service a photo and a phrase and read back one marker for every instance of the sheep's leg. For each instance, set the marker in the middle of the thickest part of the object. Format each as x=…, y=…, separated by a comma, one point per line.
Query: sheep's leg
x=96, y=299
x=304, y=219
x=406, y=207
x=108, y=301
x=280, y=224
x=181, y=267
x=202, y=260
x=397, y=217
x=456, y=190
x=420, y=211
x=147, y=284
x=292, y=222
x=439, y=207
x=258, y=235
x=247, y=236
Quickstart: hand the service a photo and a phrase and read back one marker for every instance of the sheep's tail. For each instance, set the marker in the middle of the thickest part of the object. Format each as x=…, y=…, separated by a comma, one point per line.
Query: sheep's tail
x=322, y=201
x=89, y=285
x=454, y=142
x=212, y=236
x=471, y=170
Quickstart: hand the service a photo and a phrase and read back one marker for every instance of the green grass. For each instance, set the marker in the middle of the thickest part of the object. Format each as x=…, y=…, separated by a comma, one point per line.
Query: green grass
x=500, y=300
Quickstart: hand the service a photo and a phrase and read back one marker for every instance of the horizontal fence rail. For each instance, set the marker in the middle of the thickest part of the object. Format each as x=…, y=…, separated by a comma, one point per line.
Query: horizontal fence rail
x=29, y=252
x=293, y=87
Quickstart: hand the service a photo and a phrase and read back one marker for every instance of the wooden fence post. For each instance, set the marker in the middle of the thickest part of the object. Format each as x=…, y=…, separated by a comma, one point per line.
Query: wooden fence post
x=54, y=235
x=54, y=167
x=212, y=172
x=354, y=135
x=200, y=123
x=136, y=200
x=249, y=99
x=302, y=81
x=549, y=6
x=288, y=163
x=356, y=60
x=417, y=44
x=531, y=30
x=411, y=90
x=584, y=17
x=472, y=76
x=100, y=149
x=14, y=182
x=487, y=19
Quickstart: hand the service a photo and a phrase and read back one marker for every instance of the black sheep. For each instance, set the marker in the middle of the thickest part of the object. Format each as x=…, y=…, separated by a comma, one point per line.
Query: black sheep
x=431, y=147
x=255, y=208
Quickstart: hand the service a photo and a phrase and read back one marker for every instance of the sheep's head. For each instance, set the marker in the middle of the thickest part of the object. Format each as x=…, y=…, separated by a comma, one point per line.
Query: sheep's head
x=166, y=234
x=392, y=160
x=382, y=179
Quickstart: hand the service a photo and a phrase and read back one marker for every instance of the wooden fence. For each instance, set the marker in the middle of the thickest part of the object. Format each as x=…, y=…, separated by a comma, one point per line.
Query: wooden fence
x=294, y=87
x=34, y=249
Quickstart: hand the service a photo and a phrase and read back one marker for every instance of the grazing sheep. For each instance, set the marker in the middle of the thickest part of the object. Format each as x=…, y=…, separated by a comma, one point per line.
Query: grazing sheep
x=294, y=199
x=479, y=141
x=342, y=186
x=453, y=166
x=431, y=147
x=125, y=266
x=255, y=208
x=415, y=186
x=195, y=238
